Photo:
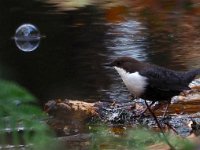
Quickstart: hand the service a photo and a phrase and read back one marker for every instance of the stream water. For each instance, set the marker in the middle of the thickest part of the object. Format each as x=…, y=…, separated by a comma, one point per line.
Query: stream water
x=83, y=35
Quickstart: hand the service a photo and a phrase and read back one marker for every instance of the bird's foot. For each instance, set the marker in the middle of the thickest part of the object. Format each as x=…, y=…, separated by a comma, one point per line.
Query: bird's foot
x=142, y=114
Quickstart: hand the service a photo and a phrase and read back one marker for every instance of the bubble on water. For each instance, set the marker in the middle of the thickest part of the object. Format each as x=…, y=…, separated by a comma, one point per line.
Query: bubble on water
x=27, y=37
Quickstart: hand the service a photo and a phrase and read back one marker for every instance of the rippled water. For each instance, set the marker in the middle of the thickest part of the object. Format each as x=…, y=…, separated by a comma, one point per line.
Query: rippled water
x=83, y=35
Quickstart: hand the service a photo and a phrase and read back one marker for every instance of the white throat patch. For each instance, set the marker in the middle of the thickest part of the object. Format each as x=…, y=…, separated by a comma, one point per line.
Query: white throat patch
x=135, y=82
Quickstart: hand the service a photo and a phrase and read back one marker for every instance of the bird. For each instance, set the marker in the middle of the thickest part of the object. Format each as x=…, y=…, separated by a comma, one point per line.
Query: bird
x=152, y=82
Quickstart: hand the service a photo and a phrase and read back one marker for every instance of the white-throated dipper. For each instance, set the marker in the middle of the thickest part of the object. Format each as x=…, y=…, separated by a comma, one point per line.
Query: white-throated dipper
x=152, y=82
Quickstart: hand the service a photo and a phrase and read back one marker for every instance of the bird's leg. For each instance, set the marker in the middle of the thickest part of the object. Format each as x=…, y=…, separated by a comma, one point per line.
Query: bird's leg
x=166, y=108
x=153, y=102
x=147, y=108
x=159, y=126
x=160, y=105
x=157, y=106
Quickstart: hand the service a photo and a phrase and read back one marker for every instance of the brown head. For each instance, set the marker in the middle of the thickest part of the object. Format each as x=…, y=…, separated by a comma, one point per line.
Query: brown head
x=127, y=63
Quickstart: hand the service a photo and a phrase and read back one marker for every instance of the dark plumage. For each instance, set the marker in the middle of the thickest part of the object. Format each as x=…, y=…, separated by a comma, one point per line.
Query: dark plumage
x=162, y=83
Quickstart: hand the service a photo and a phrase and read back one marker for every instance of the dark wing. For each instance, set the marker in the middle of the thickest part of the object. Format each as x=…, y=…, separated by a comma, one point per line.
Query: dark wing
x=164, y=79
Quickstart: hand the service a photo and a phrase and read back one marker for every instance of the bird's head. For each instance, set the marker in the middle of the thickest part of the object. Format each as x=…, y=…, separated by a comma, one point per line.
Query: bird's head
x=127, y=63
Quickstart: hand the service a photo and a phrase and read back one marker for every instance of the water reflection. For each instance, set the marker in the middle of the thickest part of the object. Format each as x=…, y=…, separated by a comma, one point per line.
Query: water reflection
x=69, y=4
x=124, y=39
x=127, y=39
x=83, y=35
x=187, y=48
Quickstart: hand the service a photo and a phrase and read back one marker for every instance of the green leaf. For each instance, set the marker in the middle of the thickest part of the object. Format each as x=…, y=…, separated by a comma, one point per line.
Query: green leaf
x=16, y=111
x=12, y=92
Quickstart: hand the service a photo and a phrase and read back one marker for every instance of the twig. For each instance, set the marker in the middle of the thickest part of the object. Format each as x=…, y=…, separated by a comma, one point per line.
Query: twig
x=159, y=126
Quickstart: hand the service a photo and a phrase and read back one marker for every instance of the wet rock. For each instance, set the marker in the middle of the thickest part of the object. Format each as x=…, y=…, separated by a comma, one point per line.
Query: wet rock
x=70, y=116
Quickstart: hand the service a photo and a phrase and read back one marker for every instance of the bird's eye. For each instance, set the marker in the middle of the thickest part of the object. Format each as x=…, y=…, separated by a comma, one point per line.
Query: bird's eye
x=118, y=63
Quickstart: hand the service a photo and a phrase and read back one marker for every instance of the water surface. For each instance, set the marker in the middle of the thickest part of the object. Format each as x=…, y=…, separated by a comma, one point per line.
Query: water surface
x=83, y=35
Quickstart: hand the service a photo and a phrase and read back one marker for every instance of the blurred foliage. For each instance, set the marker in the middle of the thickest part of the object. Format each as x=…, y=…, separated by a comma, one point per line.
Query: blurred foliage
x=139, y=138
x=21, y=121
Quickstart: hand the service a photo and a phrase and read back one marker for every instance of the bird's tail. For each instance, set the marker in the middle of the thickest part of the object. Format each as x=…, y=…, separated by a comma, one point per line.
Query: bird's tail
x=190, y=75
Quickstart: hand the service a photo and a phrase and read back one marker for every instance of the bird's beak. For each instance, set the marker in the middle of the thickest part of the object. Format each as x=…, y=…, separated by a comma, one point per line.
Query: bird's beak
x=107, y=64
